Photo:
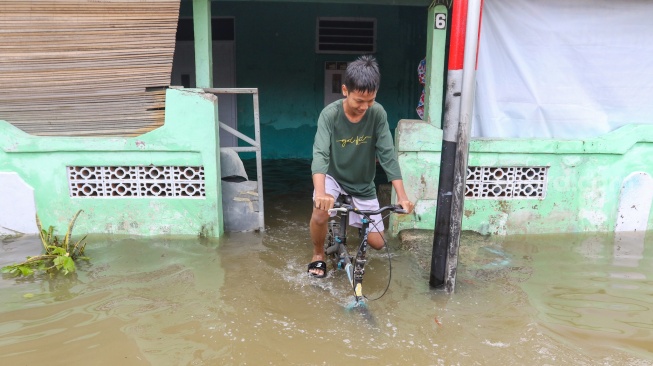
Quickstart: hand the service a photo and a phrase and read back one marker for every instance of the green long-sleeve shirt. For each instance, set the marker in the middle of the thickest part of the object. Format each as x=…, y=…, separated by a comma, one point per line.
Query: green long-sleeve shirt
x=348, y=151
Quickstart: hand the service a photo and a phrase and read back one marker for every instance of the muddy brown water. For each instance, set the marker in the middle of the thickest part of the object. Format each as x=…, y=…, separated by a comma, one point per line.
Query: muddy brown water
x=245, y=299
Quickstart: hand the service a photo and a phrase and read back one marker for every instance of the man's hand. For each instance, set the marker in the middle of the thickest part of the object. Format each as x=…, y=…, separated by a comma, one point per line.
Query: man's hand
x=406, y=205
x=402, y=197
x=323, y=202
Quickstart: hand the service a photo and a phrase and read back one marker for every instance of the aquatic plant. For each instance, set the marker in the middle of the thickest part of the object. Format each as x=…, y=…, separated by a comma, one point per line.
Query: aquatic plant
x=60, y=254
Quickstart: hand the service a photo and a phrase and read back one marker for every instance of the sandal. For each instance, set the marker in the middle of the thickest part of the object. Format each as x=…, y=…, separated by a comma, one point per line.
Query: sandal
x=321, y=265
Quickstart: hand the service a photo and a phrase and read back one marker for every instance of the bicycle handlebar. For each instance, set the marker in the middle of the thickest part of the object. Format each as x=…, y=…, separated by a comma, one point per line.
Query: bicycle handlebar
x=337, y=207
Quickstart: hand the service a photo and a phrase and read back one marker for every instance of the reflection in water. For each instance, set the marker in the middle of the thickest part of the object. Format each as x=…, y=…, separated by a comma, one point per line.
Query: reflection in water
x=246, y=299
x=584, y=296
x=628, y=248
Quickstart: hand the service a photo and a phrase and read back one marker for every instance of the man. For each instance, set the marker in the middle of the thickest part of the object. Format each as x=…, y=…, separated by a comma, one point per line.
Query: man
x=351, y=134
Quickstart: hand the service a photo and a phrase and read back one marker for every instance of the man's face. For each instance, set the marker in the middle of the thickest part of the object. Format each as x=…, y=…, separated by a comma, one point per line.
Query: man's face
x=356, y=102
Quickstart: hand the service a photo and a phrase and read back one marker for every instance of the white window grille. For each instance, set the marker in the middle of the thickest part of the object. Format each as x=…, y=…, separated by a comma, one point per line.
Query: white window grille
x=484, y=182
x=136, y=181
x=346, y=35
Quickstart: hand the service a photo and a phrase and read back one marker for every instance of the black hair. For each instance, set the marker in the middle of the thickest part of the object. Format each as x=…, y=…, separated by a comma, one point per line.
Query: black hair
x=363, y=75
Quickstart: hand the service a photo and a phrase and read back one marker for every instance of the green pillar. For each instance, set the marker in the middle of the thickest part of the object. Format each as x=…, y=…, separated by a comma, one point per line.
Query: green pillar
x=436, y=40
x=203, y=43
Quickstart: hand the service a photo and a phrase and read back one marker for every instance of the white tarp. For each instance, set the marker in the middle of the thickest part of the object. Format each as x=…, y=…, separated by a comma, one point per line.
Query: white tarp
x=563, y=68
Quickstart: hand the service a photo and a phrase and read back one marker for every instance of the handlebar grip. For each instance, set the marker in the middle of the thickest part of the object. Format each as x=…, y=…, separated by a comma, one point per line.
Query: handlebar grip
x=400, y=210
x=338, y=209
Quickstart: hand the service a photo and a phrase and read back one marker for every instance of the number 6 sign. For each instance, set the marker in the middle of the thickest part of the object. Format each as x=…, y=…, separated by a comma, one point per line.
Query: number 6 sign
x=440, y=20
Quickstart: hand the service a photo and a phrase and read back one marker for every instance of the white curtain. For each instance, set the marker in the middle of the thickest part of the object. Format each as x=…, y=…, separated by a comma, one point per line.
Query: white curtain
x=565, y=69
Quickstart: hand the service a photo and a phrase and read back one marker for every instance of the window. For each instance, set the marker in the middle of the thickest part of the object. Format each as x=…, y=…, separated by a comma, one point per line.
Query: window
x=512, y=182
x=346, y=35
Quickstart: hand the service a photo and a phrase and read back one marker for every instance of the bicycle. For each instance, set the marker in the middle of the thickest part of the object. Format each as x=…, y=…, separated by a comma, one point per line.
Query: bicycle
x=336, y=242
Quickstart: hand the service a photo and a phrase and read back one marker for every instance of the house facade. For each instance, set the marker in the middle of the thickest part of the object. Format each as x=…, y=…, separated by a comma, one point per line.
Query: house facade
x=104, y=109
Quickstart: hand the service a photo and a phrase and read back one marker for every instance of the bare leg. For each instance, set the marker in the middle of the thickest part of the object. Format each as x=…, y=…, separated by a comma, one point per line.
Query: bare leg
x=375, y=240
x=319, y=220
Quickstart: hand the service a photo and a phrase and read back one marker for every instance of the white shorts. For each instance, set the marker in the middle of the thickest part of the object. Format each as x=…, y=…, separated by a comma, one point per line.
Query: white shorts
x=333, y=188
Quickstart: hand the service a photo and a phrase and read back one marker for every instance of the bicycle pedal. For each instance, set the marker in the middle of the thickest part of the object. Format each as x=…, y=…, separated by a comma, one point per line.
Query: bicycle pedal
x=359, y=290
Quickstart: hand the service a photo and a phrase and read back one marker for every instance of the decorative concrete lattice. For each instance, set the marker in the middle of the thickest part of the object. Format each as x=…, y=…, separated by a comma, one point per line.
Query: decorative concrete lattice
x=136, y=181
x=485, y=182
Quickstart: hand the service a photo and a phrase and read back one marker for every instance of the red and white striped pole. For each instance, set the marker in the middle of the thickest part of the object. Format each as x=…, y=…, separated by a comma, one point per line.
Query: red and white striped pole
x=459, y=99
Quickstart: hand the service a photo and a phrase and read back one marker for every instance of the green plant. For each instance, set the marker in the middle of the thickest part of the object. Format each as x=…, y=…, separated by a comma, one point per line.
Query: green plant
x=60, y=255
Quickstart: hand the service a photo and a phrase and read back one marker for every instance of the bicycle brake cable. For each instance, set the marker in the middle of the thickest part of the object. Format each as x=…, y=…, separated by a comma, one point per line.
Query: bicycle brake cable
x=387, y=249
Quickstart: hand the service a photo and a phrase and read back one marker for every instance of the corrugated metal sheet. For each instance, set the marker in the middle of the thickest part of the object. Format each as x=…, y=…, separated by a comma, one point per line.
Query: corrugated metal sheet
x=84, y=67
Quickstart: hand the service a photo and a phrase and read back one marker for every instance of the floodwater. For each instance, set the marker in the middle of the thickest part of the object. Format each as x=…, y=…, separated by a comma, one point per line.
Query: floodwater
x=245, y=299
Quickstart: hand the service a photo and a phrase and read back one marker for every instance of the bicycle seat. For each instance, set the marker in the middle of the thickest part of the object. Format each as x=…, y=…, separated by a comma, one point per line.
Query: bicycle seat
x=344, y=198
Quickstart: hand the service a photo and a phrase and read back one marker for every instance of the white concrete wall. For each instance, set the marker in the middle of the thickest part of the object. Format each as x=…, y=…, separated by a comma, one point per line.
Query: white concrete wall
x=17, y=207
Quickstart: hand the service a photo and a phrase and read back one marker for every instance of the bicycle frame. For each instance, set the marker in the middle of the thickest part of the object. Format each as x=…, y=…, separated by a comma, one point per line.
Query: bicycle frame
x=354, y=266
x=336, y=242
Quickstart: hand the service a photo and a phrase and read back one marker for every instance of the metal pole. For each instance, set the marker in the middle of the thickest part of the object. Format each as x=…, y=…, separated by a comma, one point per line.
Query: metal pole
x=449, y=145
x=464, y=131
x=259, y=163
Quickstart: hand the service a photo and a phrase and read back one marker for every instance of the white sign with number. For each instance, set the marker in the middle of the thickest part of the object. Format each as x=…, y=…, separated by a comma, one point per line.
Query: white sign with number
x=440, y=20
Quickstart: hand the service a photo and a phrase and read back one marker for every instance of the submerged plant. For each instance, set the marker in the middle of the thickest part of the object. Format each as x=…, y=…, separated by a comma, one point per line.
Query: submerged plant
x=60, y=255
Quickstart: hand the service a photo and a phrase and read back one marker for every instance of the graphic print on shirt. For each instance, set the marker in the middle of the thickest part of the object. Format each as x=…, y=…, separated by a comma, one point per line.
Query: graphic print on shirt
x=354, y=140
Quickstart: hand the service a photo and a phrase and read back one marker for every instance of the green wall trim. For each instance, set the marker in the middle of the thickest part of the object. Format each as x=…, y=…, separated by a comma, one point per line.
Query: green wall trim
x=436, y=41
x=417, y=135
x=585, y=180
x=188, y=138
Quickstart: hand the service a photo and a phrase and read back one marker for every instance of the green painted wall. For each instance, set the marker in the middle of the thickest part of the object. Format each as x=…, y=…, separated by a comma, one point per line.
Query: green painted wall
x=275, y=52
x=583, y=187
x=188, y=138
